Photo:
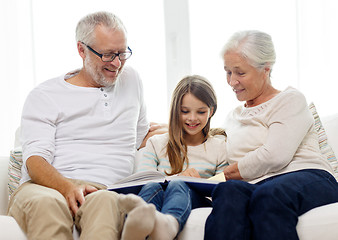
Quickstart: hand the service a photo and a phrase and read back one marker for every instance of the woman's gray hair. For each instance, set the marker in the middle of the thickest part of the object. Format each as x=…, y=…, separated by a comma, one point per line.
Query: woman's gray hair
x=86, y=26
x=255, y=46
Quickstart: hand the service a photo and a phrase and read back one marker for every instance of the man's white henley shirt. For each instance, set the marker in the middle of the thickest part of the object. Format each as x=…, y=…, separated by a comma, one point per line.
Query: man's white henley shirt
x=85, y=133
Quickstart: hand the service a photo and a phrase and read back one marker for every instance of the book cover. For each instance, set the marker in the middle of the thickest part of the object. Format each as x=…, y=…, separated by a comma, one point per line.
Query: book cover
x=134, y=182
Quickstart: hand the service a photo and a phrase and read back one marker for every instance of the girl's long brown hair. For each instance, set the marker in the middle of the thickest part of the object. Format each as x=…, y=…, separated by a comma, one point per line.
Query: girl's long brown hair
x=176, y=147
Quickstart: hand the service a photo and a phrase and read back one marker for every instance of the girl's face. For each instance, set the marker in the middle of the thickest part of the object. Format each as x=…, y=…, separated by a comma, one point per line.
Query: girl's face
x=194, y=116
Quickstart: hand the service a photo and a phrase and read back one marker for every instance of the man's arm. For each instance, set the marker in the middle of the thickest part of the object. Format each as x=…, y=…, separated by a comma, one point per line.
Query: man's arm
x=42, y=173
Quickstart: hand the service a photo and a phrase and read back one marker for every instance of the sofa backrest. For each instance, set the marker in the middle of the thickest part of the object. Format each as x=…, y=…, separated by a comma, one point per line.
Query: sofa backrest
x=330, y=124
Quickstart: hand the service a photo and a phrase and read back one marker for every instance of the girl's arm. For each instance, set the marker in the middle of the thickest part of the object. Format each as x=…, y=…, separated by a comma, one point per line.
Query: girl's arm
x=222, y=160
x=149, y=160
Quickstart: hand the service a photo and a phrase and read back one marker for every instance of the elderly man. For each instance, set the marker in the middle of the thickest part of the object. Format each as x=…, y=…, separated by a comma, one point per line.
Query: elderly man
x=80, y=132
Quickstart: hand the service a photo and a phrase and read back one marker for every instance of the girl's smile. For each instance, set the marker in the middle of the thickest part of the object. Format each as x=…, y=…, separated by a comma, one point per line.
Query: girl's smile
x=194, y=117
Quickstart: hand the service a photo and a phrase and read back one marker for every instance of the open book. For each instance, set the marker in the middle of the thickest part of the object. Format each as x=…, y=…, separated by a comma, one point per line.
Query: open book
x=134, y=182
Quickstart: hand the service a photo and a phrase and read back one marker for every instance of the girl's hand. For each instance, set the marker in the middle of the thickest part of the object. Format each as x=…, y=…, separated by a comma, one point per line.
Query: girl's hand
x=190, y=172
x=232, y=172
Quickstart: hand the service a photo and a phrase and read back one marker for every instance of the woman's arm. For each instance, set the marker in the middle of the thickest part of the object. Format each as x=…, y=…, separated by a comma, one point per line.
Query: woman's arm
x=287, y=122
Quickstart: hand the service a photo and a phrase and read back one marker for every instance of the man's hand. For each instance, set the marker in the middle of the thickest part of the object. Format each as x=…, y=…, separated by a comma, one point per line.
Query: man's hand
x=42, y=173
x=190, y=172
x=75, y=195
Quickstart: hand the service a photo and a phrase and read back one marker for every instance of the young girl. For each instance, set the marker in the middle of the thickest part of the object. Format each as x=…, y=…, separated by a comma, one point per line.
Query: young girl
x=187, y=149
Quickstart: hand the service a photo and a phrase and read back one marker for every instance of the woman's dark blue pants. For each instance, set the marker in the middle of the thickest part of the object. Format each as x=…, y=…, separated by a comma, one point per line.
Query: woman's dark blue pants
x=269, y=209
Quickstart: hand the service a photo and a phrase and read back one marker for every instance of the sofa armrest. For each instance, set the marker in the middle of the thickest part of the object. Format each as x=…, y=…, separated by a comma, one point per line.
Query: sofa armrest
x=3, y=184
x=9, y=229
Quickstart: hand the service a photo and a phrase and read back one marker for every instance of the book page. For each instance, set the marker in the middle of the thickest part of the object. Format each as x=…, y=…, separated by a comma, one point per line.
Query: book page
x=218, y=177
x=142, y=176
x=193, y=179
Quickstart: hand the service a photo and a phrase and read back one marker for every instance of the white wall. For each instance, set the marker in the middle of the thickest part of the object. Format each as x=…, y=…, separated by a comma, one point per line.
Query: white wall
x=16, y=66
x=38, y=43
x=170, y=39
x=213, y=23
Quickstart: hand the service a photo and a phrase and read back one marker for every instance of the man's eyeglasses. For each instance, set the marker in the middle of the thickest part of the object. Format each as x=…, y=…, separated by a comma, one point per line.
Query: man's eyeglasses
x=111, y=56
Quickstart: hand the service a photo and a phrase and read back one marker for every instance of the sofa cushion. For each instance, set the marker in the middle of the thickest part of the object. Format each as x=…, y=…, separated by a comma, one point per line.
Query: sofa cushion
x=319, y=223
x=194, y=228
x=14, y=170
x=323, y=141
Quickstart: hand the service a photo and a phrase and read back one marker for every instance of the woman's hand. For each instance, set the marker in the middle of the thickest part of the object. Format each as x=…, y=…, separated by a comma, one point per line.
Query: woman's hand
x=190, y=172
x=232, y=172
x=154, y=129
x=158, y=128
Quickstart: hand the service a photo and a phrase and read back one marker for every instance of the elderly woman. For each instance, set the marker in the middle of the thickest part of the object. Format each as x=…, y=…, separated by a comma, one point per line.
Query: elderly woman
x=276, y=170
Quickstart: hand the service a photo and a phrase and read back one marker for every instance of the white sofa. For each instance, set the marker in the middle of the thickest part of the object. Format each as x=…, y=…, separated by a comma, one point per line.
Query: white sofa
x=319, y=223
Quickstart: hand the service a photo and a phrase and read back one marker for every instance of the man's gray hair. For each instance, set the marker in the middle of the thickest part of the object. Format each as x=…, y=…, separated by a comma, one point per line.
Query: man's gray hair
x=86, y=26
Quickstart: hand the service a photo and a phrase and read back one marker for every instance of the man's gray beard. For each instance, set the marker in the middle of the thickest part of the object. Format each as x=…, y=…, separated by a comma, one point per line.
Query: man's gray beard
x=97, y=76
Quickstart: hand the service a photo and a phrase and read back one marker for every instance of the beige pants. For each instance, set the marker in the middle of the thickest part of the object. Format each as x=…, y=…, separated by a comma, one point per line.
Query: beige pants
x=43, y=213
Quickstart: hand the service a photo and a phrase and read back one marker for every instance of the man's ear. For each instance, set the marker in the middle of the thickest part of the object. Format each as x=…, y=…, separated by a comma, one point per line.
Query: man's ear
x=81, y=50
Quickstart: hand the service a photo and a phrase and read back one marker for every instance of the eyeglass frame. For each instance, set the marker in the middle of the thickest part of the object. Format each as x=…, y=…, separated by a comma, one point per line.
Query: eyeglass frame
x=114, y=55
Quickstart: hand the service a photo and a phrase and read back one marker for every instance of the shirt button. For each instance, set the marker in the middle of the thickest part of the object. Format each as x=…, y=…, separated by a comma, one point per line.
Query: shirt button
x=101, y=89
x=106, y=104
x=105, y=95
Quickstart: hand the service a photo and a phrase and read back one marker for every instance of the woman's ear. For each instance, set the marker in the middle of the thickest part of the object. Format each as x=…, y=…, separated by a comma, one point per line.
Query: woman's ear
x=267, y=70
